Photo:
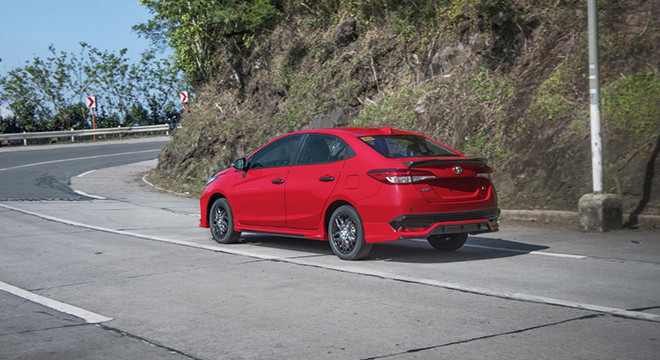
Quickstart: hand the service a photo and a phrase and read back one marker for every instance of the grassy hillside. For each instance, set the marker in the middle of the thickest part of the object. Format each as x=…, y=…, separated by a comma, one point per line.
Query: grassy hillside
x=501, y=79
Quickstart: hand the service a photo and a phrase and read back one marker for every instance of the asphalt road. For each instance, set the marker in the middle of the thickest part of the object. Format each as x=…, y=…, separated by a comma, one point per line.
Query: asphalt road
x=146, y=282
x=43, y=172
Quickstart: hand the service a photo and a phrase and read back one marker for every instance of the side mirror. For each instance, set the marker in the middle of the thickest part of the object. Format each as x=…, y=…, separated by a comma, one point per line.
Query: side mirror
x=239, y=164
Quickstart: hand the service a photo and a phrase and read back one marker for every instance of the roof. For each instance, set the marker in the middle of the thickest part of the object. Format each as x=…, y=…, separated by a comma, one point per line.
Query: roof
x=355, y=131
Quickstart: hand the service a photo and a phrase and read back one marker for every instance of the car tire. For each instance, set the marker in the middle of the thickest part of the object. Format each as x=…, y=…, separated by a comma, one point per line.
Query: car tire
x=346, y=234
x=447, y=242
x=221, y=221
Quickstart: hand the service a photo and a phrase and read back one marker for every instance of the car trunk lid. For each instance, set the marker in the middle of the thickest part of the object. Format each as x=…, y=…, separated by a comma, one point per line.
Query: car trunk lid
x=457, y=179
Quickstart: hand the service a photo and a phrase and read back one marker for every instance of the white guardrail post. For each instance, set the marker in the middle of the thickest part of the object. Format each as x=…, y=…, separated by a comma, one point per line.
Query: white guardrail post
x=25, y=136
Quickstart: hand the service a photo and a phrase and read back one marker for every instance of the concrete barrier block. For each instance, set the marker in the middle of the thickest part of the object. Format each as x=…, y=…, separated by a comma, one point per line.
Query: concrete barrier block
x=600, y=212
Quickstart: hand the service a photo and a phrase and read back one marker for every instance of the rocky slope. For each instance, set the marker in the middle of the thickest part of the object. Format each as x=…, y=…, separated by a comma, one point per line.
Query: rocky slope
x=505, y=80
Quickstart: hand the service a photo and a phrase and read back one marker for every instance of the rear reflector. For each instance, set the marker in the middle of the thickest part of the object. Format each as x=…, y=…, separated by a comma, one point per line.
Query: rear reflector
x=410, y=229
x=401, y=176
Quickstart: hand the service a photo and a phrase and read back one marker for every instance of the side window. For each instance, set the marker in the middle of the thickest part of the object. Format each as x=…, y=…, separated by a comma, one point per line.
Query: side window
x=279, y=153
x=322, y=149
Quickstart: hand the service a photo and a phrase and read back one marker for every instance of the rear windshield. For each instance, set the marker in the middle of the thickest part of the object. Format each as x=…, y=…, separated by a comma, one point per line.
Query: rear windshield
x=403, y=146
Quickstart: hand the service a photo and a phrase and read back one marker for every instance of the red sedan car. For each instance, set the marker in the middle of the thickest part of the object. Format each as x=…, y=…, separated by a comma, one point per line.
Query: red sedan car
x=353, y=187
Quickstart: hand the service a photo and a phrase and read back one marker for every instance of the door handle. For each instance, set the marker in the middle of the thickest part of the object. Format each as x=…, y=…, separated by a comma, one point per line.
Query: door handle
x=277, y=181
x=327, y=178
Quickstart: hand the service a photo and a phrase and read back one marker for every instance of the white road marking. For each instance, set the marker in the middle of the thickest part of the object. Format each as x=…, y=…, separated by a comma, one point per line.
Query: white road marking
x=360, y=269
x=144, y=179
x=74, y=159
x=518, y=251
x=88, y=316
x=88, y=195
x=569, y=256
x=85, y=173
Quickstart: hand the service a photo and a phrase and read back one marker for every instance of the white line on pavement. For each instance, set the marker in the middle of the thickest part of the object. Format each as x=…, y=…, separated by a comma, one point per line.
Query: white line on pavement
x=88, y=316
x=74, y=159
x=88, y=195
x=144, y=179
x=360, y=269
x=569, y=256
x=518, y=251
x=85, y=173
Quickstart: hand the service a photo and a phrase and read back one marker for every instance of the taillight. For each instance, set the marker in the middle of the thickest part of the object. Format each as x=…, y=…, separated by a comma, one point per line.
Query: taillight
x=401, y=176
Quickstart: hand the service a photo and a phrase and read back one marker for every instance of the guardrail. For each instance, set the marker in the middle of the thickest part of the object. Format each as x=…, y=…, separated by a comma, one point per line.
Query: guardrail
x=25, y=136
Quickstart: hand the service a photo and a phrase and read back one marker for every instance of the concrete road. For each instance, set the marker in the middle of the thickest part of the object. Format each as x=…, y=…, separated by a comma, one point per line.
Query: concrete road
x=137, y=257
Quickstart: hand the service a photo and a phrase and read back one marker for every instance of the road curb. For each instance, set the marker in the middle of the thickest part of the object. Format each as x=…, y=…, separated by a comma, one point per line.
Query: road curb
x=561, y=216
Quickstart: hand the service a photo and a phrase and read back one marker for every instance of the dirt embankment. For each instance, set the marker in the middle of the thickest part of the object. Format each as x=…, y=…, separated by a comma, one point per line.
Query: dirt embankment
x=505, y=80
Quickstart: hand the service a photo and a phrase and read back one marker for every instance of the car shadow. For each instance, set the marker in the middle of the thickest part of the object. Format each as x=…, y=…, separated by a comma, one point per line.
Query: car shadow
x=405, y=251
x=313, y=247
x=476, y=248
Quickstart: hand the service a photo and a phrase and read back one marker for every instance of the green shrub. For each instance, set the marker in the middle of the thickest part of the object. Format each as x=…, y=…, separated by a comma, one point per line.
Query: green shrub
x=632, y=104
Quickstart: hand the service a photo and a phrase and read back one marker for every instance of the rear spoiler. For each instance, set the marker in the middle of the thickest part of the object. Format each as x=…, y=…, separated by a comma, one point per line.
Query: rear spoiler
x=425, y=163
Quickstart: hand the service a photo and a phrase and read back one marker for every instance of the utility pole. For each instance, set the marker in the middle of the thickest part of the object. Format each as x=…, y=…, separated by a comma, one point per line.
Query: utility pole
x=598, y=211
x=594, y=101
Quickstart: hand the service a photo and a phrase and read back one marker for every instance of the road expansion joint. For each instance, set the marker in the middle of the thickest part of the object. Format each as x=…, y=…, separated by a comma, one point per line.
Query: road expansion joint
x=33, y=331
x=622, y=261
x=283, y=259
x=645, y=308
x=146, y=341
x=485, y=337
x=57, y=287
x=44, y=200
x=165, y=273
x=129, y=277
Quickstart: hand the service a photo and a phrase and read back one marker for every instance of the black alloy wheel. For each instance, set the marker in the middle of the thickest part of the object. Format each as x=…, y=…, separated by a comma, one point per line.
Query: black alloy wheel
x=346, y=234
x=221, y=222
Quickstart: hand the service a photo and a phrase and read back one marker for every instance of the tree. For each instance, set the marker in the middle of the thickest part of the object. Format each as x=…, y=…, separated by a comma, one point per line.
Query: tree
x=110, y=76
x=48, y=94
x=201, y=31
x=72, y=116
x=158, y=79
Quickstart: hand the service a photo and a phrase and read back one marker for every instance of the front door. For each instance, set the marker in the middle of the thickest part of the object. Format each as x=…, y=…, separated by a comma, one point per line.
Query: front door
x=258, y=197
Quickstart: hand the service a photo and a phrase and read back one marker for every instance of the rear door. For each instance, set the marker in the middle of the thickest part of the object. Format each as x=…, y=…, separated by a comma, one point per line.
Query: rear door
x=258, y=198
x=313, y=179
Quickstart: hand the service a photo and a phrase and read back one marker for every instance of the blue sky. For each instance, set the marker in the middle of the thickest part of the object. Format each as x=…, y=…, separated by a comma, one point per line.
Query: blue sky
x=28, y=27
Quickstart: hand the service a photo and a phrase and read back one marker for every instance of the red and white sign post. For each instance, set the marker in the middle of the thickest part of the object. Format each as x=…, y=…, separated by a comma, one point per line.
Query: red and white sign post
x=184, y=99
x=91, y=104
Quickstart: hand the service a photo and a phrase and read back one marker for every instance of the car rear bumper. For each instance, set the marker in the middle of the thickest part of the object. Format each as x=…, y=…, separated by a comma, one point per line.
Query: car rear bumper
x=425, y=225
x=428, y=220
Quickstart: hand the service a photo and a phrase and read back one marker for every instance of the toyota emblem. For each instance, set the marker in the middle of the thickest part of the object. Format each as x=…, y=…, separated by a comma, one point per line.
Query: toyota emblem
x=458, y=170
